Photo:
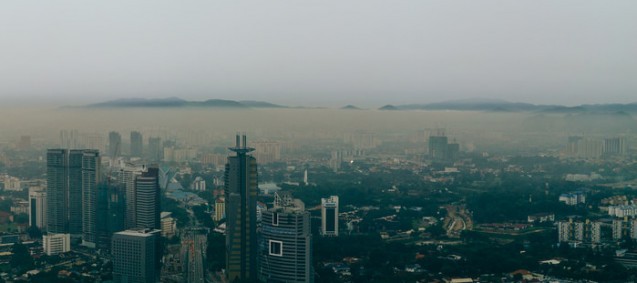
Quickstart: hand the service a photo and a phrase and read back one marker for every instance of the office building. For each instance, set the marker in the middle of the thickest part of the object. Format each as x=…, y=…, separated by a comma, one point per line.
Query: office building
x=54, y=244
x=111, y=212
x=75, y=184
x=147, y=199
x=329, y=216
x=57, y=191
x=37, y=207
x=241, y=197
x=193, y=254
x=114, y=144
x=72, y=177
x=136, y=144
x=91, y=172
x=127, y=178
x=286, y=242
x=134, y=255
x=155, y=149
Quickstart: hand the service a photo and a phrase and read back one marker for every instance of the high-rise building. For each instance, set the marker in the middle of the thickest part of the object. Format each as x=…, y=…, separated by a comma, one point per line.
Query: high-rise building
x=136, y=144
x=193, y=252
x=127, y=178
x=155, y=149
x=37, y=207
x=329, y=216
x=579, y=231
x=134, y=254
x=91, y=163
x=615, y=146
x=286, y=242
x=147, y=198
x=57, y=191
x=111, y=212
x=438, y=147
x=69, y=139
x=267, y=151
x=241, y=197
x=572, y=145
x=336, y=160
x=114, y=144
x=220, y=209
x=72, y=177
x=624, y=228
x=75, y=184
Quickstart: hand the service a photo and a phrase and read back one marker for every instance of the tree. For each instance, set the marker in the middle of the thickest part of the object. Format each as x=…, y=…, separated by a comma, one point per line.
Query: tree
x=34, y=232
x=21, y=258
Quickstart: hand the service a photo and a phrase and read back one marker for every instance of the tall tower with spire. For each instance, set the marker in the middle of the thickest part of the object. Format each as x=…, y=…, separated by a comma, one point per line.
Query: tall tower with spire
x=241, y=216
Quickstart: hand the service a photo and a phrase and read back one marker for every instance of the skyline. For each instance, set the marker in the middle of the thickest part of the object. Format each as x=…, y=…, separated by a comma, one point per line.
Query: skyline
x=319, y=54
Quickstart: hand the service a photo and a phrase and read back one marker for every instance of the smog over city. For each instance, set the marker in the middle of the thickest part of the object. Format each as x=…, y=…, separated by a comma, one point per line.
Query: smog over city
x=360, y=141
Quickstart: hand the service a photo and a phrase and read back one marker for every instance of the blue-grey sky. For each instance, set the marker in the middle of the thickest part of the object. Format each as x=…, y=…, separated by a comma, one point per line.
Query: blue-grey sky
x=327, y=53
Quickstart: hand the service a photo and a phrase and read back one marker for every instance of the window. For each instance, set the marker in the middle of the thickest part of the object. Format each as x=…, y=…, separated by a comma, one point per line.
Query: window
x=276, y=248
x=275, y=219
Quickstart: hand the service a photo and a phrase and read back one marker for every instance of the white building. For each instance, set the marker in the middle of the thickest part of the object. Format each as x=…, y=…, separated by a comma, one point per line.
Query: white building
x=329, y=216
x=220, y=209
x=199, y=184
x=54, y=244
x=573, y=198
x=624, y=228
x=37, y=207
x=20, y=207
x=622, y=210
x=579, y=232
x=168, y=225
x=11, y=183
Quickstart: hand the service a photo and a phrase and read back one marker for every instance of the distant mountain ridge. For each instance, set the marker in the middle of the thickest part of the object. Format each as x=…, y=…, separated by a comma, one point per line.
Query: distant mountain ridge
x=497, y=105
x=174, y=102
x=486, y=105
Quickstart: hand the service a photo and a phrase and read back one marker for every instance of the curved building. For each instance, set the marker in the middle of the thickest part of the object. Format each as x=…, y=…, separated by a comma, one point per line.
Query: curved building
x=285, y=246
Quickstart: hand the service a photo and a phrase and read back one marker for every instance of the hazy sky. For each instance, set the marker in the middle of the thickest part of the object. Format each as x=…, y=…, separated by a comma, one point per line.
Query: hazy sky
x=326, y=53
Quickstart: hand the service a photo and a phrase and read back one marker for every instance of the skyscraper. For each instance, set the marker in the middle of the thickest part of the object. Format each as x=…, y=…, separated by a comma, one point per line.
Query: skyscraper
x=111, y=210
x=91, y=163
x=57, y=191
x=241, y=200
x=72, y=177
x=114, y=144
x=136, y=144
x=134, y=256
x=193, y=251
x=147, y=198
x=127, y=178
x=286, y=242
x=75, y=192
x=155, y=149
x=438, y=147
x=37, y=207
x=329, y=216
